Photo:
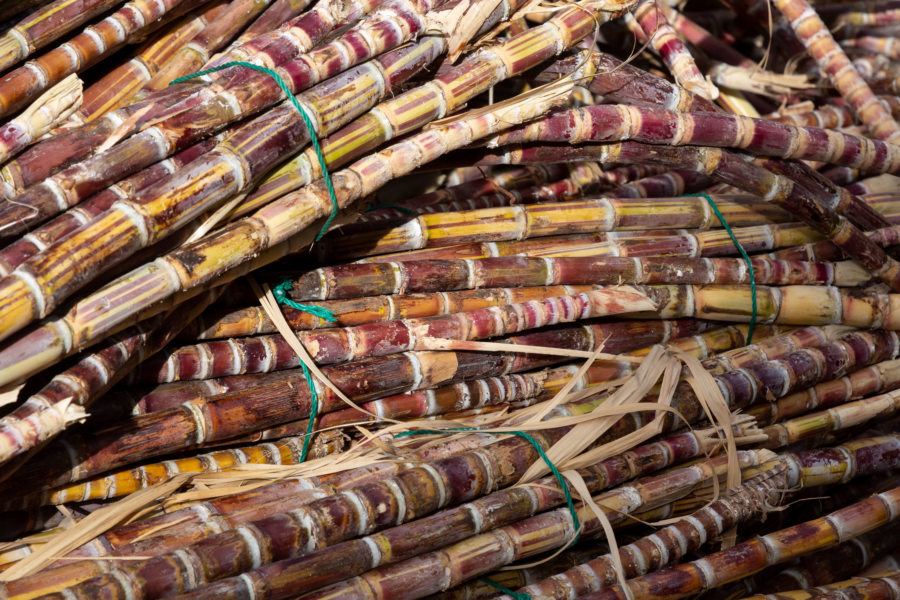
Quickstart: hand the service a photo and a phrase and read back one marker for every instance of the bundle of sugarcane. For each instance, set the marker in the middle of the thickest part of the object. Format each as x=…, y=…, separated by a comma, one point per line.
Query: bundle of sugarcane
x=403, y=298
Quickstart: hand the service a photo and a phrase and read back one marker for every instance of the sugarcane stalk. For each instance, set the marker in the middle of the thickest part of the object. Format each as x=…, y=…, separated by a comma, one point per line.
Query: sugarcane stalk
x=660, y=126
x=651, y=26
x=119, y=86
x=69, y=145
x=878, y=378
x=282, y=400
x=45, y=25
x=622, y=82
x=292, y=214
x=880, y=45
x=495, y=184
x=704, y=39
x=462, y=394
x=833, y=564
x=294, y=38
x=825, y=250
x=284, y=451
x=665, y=185
x=172, y=203
x=824, y=117
x=427, y=573
x=873, y=185
x=671, y=97
x=880, y=586
x=64, y=400
x=483, y=588
x=25, y=83
x=559, y=190
x=518, y=222
x=729, y=168
x=272, y=18
x=835, y=418
x=842, y=176
x=723, y=567
x=505, y=509
x=772, y=347
x=254, y=321
x=796, y=370
x=834, y=62
x=164, y=533
x=421, y=276
x=526, y=388
x=830, y=195
x=354, y=92
x=627, y=243
x=56, y=229
x=47, y=111
x=736, y=506
x=329, y=346
x=197, y=52
x=412, y=494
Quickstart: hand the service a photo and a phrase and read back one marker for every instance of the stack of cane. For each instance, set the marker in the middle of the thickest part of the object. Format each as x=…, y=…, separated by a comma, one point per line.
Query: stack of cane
x=458, y=298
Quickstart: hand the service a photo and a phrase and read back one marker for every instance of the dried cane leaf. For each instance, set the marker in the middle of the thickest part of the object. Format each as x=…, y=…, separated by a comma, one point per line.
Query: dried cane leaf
x=96, y=523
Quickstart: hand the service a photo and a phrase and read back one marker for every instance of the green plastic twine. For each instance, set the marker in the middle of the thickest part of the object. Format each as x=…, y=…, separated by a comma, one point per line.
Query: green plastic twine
x=306, y=121
x=280, y=292
x=506, y=590
x=559, y=478
x=743, y=252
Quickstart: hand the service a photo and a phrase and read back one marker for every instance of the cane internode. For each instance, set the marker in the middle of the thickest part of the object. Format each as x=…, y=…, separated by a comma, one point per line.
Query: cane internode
x=606, y=302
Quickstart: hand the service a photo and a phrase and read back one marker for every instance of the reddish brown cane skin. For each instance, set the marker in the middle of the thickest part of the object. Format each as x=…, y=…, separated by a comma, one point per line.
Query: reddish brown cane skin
x=119, y=86
x=876, y=379
x=69, y=146
x=284, y=579
x=412, y=494
x=652, y=26
x=725, y=566
x=25, y=83
x=27, y=246
x=283, y=400
x=46, y=24
x=172, y=202
x=168, y=532
x=42, y=415
x=370, y=279
x=821, y=45
x=286, y=217
x=658, y=126
x=241, y=96
x=739, y=505
x=728, y=168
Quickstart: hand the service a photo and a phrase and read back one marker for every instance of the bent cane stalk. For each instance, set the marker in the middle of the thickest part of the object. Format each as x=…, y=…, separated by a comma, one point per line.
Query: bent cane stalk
x=279, y=400
x=289, y=216
x=730, y=168
x=754, y=555
x=832, y=60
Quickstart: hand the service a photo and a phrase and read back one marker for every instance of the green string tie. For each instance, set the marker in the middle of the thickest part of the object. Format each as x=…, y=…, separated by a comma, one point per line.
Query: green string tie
x=506, y=590
x=559, y=478
x=280, y=292
x=402, y=209
x=306, y=121
x=744, y=254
